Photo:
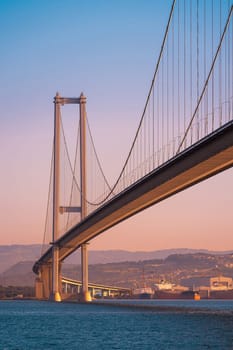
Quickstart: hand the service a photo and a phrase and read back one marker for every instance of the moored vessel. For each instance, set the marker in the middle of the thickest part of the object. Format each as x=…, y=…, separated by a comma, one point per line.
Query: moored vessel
x=143, y=293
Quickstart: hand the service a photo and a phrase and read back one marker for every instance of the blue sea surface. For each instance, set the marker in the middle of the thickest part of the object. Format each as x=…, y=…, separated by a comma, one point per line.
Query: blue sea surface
x=147, y=324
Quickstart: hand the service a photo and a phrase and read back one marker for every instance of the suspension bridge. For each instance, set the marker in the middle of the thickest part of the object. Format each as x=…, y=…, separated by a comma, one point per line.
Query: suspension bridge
x=185, y=135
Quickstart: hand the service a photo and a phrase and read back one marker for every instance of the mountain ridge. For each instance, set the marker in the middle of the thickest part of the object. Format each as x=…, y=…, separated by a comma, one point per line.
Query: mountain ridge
x=16, y=253
x=185, y=269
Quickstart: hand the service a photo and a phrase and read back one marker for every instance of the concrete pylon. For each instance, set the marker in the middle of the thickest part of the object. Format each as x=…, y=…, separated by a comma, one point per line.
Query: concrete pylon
x=43, y=283
x=84, y=252
x=56, y=286
x=85, y=296
x=55, y=293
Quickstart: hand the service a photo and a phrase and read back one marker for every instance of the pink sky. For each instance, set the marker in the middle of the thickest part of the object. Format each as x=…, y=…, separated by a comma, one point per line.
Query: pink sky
x=37, y=59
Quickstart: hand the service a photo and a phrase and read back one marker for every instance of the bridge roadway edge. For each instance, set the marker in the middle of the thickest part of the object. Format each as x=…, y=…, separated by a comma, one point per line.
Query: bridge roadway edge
x=206, y=158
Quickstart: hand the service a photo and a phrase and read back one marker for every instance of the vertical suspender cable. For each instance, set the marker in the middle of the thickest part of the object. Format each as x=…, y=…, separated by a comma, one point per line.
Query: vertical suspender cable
x=229, y=66
x=206, y=95
x=197, y=18
x=149, y=135
x=158, y=117
x=145, y=141
x=225, y=80
x=178, y=78
x=220, y=65
x=153, y=125
x=230, y=94
x=191, y=63
x=212, y=41
x=184, y=95
x=208, y=77
x=162, y=112
x=173, y=91
x=225, y=85
x=167, y=96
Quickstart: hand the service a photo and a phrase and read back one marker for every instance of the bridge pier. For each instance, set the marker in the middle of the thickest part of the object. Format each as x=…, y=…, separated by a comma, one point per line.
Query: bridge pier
x=86, y=296
x=43, y=283
x=55, y=294
x=48, y=285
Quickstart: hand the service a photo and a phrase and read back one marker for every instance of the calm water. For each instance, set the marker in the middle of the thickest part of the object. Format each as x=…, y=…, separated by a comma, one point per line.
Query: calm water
x=159, y=325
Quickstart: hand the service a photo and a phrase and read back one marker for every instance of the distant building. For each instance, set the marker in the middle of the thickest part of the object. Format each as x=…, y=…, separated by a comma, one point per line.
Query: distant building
x=221, y=283
x=164, y=285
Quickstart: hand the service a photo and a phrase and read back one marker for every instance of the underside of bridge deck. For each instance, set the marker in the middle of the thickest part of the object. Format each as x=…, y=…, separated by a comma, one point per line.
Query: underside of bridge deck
x=206, y=158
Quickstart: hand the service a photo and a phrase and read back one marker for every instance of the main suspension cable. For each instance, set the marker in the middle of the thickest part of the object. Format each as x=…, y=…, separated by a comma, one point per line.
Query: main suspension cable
x=144, y=110
x=96, y=155
x=48, y=198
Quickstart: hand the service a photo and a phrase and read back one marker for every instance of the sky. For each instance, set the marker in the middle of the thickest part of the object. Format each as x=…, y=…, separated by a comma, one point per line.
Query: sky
x=108, y=50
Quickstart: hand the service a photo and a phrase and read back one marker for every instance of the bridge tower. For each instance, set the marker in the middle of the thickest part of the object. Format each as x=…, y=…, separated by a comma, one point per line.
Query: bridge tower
x=55, y=292
x=84, y=252
x=56, y=277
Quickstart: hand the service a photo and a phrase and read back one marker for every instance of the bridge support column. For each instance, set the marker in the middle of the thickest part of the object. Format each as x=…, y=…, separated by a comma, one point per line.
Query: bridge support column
x=55, y=295
x=43, y=283
x=39, y=288
x=84, y=266
x=65, y=288
x=84, y=255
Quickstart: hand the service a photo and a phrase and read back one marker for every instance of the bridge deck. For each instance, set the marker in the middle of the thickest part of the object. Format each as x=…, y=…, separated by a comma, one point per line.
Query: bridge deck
x=95, y=285
x=206, y=158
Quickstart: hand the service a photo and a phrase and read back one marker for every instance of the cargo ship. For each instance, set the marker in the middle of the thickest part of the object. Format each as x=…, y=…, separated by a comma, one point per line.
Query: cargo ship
x=143, y=293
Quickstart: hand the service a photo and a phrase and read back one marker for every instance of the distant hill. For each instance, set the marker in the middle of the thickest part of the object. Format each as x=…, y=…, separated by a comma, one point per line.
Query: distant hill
x=19, y=275
x=13, y=254
x=186, y=269
x=111, y=256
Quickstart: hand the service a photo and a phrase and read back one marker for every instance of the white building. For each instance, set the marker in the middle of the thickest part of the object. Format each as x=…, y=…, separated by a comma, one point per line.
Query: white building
x=221, y=283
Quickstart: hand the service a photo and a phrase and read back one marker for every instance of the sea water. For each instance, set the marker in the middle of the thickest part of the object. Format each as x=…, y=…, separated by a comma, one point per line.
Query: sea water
x=148, y=324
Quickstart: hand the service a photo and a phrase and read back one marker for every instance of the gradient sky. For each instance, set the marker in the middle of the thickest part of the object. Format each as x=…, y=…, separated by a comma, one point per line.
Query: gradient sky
x=108, y=50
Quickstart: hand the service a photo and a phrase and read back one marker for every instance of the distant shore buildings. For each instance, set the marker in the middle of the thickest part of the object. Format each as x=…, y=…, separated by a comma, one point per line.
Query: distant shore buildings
x=221, y=283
